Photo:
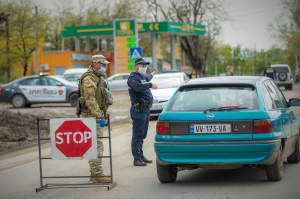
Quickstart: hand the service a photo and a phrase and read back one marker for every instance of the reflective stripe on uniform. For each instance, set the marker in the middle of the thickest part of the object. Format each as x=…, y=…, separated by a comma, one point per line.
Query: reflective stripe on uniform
x=270, y=70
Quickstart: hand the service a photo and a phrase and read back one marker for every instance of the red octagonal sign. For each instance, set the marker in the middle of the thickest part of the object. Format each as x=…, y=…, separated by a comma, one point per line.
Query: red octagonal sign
x=73, y=138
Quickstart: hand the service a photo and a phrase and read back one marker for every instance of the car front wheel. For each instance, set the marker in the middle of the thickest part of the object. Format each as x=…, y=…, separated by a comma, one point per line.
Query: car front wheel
x=166, y=173
x=294, y=157
x=275, y=171
x=18, y=101
x=73, y=99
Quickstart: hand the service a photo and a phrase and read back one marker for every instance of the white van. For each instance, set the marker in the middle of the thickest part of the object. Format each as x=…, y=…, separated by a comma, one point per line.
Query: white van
x=74, y=74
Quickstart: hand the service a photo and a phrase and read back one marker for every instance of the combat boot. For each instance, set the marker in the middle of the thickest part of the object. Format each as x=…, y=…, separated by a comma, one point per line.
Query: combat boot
x=103, y=178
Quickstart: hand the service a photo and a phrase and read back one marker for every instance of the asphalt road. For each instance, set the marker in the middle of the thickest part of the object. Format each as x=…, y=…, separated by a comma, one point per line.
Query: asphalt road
x=20, y=175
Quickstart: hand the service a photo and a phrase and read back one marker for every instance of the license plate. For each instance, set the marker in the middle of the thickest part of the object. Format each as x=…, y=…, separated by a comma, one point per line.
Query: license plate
x=210, y=128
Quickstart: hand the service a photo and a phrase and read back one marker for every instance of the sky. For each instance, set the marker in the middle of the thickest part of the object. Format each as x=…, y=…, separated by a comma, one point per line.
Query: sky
x=249, y=24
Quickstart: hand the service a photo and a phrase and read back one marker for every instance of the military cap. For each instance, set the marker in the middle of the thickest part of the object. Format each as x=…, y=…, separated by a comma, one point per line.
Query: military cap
x=100, y=58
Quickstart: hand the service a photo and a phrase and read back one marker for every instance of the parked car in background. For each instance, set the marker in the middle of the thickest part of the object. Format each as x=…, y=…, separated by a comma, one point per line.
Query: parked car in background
x=167, y=84
x=225, y=123
x=38, y=89
x=73, y=75
x=118, y=82
x=284, y=76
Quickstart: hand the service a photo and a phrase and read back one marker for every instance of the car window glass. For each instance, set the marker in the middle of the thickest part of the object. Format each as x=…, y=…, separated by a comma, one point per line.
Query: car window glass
x=282, y=69
x=280, y=95
x=186, y=77
x=72, y=77
x=201, y=98
x=30, y=82
x=120, y=77
x=166, y=81
x=274, y=95
x=269, y=102
x=52, y=82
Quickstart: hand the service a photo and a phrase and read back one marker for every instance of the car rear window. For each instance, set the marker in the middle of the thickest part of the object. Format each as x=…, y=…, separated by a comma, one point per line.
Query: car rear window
x=282, y=69
x=201, y=98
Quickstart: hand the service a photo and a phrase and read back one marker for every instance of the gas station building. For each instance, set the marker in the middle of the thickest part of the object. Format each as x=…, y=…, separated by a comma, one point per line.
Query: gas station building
x=124, y=34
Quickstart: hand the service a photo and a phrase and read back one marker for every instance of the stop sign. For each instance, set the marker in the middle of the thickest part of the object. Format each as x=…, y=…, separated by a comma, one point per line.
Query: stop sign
x=73, y=138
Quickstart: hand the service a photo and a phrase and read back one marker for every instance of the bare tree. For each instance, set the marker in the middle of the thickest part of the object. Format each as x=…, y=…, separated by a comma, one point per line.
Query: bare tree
x=209, y=13
x=287, y=29
x=80, y=13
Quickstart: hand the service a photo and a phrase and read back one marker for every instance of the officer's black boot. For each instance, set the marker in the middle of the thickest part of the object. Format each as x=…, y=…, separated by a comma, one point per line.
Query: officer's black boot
x=144, y=159
x=139, y=162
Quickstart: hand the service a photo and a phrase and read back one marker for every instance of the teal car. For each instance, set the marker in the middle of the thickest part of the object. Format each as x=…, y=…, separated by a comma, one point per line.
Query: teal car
x=226, y=123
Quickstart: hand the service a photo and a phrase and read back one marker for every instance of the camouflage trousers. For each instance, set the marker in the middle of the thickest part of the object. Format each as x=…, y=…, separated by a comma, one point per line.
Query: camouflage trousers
x=96, y=164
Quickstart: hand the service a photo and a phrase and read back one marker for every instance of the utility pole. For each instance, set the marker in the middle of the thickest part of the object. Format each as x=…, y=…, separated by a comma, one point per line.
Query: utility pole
x=4, y=18
x=37, y=42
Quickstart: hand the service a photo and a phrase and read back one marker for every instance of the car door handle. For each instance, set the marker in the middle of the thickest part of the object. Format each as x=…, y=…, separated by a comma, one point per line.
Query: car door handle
x=24, y=89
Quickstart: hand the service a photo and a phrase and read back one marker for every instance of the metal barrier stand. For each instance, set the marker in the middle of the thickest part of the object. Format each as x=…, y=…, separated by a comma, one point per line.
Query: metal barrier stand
x=109, y=185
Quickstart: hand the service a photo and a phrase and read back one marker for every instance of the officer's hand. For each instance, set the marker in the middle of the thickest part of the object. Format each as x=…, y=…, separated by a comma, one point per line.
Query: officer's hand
x=154, y=86
x=153, y=73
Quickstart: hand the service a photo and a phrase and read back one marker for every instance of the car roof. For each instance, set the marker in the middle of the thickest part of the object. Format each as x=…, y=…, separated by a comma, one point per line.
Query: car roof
x=75, y=70
x=222, y=80
x=168, y=74
x=279, y=65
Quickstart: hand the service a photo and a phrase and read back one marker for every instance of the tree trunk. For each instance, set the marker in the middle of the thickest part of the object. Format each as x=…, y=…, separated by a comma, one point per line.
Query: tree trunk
x=25, y=69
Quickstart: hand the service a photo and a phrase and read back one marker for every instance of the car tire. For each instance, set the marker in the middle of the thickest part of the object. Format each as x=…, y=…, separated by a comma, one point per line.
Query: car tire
x=291, y=87
x=294, y=157
x=275, y=171
x=18, y=101
x=282, y=76
x=166, y=173
x=73, y=99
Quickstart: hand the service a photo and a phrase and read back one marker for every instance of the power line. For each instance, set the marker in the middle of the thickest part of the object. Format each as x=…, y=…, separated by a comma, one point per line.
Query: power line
x=255, y=12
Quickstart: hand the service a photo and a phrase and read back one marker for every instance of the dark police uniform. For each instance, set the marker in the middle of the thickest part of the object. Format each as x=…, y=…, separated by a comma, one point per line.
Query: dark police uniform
x=139, y=91
x=270, y=72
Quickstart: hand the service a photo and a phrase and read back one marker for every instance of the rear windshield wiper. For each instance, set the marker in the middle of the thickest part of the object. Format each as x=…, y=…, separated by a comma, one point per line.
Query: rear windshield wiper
x=225, y=108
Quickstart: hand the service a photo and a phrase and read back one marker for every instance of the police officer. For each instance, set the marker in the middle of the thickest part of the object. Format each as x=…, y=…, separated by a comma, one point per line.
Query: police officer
x=270, y=72
x=95, y=103
x=141, y=100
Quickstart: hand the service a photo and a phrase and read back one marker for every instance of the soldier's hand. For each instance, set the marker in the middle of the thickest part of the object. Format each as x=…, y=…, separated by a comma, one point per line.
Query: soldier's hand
x=154, y=86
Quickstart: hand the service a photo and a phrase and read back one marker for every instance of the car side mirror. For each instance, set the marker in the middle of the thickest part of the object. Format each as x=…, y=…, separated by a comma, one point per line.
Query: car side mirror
x=294, y=102
x=58, y=84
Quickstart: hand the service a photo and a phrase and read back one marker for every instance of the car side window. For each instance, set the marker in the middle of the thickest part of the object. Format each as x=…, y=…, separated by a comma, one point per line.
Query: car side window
x=271, y=90
x=117, y=78
x=269, y=102
x=52, y=82
x=186, y=77
x=30, y=82
x=280, y=95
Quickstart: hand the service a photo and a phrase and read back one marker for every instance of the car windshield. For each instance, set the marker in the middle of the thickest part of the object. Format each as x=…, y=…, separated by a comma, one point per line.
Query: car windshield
x=281, y=69
x=166, y=81
x=72, y=77
x=216, y=98
x=60, y=79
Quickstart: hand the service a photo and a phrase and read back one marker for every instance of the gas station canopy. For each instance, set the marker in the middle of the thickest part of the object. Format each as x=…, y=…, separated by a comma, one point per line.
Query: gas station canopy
x=164, y=28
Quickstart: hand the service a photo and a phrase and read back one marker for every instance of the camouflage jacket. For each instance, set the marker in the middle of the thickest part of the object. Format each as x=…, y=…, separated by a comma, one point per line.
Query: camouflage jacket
x=92, y=85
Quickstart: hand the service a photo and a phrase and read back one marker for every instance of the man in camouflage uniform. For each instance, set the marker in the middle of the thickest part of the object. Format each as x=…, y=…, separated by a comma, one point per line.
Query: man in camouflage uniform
x=94, y=102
